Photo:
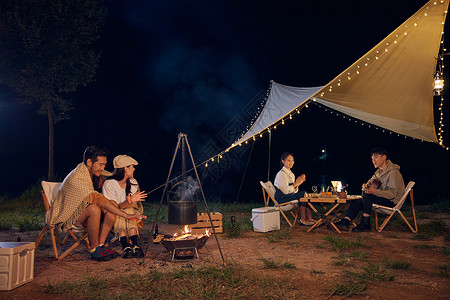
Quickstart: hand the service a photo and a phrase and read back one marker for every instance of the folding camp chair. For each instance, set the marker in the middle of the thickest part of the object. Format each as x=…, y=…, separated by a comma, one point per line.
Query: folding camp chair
x=268, y=191
x=390, y=211
x=49, y=192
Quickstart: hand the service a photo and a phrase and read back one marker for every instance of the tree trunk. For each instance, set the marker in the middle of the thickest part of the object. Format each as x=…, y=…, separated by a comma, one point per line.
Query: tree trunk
x=51, y=123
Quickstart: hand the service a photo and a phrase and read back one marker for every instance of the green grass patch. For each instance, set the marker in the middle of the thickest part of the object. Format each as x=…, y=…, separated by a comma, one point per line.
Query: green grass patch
x=276, y=264
x=339, y=243
x=445, y=250
x=242, y=224
x=26, y=219
x=347, y=259
x=396, y=264
x=284, y=234
x=29, y=199
x=432, y=229
x=208, y=282
x=89, y=287
x=25, y=212
x=443, y=270
x=355, y=283
x=293, y=243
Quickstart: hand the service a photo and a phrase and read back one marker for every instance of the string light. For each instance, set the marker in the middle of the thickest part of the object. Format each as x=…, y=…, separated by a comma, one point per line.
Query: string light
x=353, y=71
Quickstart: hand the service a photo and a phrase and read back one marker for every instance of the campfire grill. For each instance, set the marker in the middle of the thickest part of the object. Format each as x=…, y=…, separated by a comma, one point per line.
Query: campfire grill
x=185, y=248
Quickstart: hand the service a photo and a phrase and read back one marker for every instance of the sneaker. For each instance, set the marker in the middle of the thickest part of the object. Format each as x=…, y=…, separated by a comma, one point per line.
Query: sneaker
x=100, y=255
x=113, y=254
x=138, y=251
x=364, y=226
x=306, y=222
x=127, y=252
x=343, y=224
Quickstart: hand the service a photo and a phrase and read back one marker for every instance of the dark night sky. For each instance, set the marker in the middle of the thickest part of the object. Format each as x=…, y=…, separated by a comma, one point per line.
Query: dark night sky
x=193, y=67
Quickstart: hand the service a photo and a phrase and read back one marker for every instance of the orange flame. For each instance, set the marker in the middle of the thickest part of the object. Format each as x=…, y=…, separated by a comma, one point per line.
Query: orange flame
x=186, y=234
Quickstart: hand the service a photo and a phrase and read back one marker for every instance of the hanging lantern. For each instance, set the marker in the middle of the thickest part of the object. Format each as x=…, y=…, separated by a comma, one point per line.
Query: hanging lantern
x=438, y=83
x=438, y=76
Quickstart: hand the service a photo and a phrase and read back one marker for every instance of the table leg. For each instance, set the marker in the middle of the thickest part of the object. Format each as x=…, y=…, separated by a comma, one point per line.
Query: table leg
x=322, y=218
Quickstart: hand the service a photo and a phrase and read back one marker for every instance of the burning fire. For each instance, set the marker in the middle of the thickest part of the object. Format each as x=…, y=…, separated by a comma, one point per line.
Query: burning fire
x=186, y=235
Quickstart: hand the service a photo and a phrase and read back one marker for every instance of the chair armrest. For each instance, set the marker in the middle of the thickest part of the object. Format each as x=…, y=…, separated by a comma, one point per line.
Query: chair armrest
x=382, y=207
x=288, y=203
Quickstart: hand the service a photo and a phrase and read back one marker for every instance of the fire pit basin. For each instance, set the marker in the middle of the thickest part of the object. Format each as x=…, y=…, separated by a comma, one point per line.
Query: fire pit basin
x=194, y=242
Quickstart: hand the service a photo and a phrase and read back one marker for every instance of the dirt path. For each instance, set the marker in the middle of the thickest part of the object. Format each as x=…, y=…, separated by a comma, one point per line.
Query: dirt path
x=317, y=266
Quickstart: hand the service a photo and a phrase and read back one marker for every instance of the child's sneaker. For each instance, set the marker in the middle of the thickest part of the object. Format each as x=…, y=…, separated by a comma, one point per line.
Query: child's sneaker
x=100, y=255
x=138, y=251
x=127, y=253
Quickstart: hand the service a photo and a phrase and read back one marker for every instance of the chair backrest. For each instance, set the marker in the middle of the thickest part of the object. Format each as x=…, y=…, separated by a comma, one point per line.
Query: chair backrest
x=50, y=190
x=405, y=195
x=270, y=189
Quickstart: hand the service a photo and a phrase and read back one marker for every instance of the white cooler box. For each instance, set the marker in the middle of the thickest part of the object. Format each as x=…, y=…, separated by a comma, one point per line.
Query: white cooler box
x=265, y=219
x=16, y=264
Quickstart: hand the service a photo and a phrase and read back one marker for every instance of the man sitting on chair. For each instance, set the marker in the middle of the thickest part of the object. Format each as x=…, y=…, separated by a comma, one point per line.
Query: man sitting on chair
x=80, y=203
x=386, y=187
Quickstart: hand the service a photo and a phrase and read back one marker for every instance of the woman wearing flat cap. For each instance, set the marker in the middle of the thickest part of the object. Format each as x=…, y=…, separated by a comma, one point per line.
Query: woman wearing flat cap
x=124, y=189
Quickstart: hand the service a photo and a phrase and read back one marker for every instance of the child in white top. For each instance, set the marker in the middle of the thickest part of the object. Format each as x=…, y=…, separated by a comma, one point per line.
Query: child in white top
x=124, y=189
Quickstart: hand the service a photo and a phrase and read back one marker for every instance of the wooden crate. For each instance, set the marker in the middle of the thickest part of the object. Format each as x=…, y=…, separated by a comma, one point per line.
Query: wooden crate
x=204, y=223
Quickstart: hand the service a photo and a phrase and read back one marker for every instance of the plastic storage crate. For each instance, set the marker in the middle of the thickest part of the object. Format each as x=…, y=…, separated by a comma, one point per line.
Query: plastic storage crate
x=16, y=264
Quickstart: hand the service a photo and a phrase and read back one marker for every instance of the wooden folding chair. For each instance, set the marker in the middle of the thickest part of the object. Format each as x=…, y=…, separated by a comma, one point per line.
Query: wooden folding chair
x=49, y=192
x=268, y=191
x=390, y=211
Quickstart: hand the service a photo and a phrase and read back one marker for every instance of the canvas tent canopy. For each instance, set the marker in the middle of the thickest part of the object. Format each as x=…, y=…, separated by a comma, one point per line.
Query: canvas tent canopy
x=391, y=86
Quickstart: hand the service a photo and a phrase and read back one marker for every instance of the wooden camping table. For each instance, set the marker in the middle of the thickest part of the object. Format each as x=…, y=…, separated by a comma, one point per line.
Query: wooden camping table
x=336, y=206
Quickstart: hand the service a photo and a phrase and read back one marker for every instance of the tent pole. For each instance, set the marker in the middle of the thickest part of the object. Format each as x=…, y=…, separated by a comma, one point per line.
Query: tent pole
x=268, y=164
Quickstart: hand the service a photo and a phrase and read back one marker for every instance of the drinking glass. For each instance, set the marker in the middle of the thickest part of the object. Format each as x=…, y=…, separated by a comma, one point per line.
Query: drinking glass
x=314, y=189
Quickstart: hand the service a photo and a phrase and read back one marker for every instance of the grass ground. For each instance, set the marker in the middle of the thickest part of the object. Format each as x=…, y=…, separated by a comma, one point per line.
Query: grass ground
x=286, y=264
